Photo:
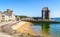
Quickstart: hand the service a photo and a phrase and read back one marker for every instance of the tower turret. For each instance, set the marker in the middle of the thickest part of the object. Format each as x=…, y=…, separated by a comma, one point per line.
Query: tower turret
x=45, y=13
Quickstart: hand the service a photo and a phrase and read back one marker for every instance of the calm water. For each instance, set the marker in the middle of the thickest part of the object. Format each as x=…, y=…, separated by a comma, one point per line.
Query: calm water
x=47, y=30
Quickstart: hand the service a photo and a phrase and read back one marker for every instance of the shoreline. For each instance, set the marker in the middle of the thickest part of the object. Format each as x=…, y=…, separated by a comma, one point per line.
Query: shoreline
x=21, y=31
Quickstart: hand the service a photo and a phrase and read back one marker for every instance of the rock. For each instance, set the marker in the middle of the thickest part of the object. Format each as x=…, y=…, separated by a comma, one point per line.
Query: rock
x=24, y=35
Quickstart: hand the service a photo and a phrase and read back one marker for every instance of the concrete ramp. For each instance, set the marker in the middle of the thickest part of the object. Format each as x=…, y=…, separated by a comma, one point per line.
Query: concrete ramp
x=4, y=35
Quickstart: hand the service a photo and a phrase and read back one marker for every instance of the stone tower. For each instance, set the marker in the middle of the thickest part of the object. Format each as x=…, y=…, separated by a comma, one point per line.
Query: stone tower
x=45, y=13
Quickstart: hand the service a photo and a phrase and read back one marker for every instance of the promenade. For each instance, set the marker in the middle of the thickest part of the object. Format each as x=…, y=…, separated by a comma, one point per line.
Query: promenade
x=4, y=23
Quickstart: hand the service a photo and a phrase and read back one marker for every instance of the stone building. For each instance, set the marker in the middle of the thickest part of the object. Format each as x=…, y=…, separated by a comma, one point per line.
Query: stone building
x=17, y=18
x=45, y=13
x=7, y=16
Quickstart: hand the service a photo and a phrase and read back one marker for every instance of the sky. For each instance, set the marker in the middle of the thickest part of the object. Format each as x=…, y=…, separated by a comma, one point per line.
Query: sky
x=31, y=8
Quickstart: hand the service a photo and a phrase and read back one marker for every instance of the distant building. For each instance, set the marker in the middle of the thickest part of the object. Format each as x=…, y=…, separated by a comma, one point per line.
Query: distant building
x=17, y=18
x=7, y=16
x=45, y=13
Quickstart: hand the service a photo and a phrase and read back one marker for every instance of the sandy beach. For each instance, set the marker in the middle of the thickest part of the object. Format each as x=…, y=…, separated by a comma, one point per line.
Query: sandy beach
x=16, y=29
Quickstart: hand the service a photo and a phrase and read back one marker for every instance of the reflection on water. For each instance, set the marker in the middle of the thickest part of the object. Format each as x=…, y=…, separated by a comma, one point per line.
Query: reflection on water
x=45, y=29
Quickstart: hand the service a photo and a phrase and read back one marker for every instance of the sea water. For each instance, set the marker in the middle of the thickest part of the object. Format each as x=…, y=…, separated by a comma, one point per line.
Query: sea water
x=47, y=29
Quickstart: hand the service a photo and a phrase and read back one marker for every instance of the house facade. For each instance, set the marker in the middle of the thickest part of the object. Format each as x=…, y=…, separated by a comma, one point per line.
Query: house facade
x=7, y=16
